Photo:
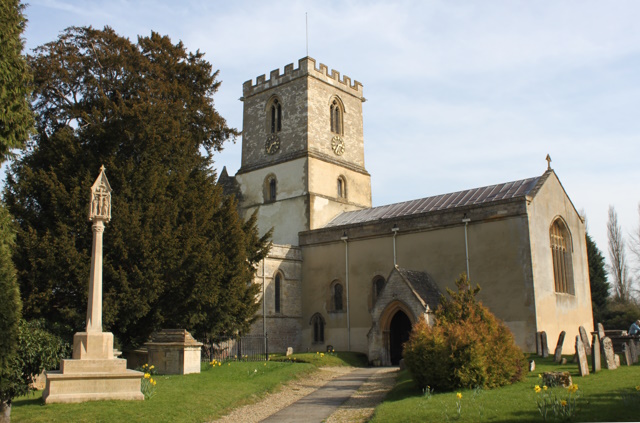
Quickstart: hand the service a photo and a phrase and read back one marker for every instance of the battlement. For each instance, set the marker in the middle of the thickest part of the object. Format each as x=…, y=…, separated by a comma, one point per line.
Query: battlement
x=306, y=66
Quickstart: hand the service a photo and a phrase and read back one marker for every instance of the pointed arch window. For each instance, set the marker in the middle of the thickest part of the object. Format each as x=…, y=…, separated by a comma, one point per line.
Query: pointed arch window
x=270, y=190
x=335, y=113
x=277, y=293
x=317, y=322
x=337, y=296
x=561, y=248
x=275, y=116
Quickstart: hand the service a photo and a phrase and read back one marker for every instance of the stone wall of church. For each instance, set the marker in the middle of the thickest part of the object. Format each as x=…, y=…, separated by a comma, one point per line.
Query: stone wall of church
x=499, y=262
x=283, y=326
x=556, y=312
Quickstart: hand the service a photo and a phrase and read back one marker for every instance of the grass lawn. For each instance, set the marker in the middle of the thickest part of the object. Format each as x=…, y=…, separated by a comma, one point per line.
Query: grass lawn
x=190, y=398
x=609, y=395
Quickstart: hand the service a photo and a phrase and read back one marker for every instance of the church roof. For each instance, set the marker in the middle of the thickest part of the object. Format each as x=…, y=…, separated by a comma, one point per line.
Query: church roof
x=423, y=285
x=470, y=197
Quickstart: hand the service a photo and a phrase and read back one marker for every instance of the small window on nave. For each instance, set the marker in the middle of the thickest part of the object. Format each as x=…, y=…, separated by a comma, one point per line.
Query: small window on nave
x=376, y=289
x=317, y=321
x=335, y=114
x=337, y=296
x=342, y=187
x=561, y=248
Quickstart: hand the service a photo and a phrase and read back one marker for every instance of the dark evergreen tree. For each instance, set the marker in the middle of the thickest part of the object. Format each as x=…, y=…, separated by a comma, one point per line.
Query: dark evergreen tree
x=597, y=281
x=176, y=252
x=16, y=119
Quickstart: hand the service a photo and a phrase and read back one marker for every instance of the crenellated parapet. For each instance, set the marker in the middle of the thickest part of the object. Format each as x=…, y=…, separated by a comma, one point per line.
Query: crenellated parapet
x=306, y=66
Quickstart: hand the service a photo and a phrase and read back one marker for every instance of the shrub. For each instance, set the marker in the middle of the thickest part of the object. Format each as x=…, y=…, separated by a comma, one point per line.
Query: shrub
x=466, y=347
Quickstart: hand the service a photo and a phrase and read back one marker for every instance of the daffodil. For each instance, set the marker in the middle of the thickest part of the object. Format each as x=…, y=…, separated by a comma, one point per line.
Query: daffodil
x=147, y=375
x=544, y=387
x=563, y=403
x=537, y=389
x=637, y=387
x=152, y=366
x=459, y=395
x=539, y=375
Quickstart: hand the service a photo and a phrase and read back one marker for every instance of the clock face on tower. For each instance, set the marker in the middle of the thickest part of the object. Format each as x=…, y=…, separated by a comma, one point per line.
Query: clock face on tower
x=337, y=145
x=272, y=145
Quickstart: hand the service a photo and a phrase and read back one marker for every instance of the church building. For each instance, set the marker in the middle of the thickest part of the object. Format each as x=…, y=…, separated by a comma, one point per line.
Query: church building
x=344, y=274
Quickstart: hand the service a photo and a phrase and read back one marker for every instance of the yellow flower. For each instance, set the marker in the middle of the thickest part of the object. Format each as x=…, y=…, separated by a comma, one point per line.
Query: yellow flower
x=322, y=355
x=154, y=383
x=147, y=375
x=228, y=364
x=544, y=387
x=563, y=403
x=459, y=395
x=317, y=353
x=151, y=380
x=219, y=364
x=265, y=364
x=539, y=375
x=537, y=388
x=637, y=387
x=152, y=366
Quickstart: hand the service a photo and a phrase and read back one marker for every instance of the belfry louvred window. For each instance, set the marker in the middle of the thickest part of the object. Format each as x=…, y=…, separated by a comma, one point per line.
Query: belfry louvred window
x=335, y=112
x=276, y=116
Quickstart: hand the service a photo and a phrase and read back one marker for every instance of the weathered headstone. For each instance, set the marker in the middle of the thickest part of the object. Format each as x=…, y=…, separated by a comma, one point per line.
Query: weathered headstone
x=544, y=344
x=289, y=351
x=617, y=360
x=583, y=364
x=563, y=361
x=596, y=365
x=585, y=340
x=558, y=352
x=532, y=365
x=607, y=353
x=600, y=330
x=627, y=354
x=552, y=379
x=633, y=349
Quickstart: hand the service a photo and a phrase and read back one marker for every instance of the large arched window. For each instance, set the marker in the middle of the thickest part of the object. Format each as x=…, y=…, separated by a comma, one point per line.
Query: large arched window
x=335, y=114
x=561, y=248
x=317, y=322
x=274, y=111
x=277, y=292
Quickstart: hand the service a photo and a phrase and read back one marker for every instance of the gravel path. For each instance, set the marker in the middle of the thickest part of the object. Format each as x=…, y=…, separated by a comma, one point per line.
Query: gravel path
x=358, y=408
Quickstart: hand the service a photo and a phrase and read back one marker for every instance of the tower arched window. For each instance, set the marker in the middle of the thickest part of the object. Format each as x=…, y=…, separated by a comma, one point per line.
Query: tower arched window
x=335, y=112
x=342, y=187
x=276, y=116
x=317, y=322
x=561, y=248
x=270, y=188
x=277, y=292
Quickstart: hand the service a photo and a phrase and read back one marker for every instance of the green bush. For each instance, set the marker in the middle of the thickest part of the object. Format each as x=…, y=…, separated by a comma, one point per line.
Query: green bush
x=37, y=350
x=619, y=314
x=466, y=347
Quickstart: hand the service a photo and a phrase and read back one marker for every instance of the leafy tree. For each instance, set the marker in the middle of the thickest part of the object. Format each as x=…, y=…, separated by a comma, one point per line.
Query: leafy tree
x=466, y=347
x=617, y=256
x=597, y=280
x=176, y=253
x=16, y=119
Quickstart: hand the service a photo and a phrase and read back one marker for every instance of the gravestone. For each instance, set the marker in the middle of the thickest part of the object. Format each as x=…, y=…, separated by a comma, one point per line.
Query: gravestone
x=596, y=364
x=532, y=365
x=633, y=349
x=617, y=359
x=558, y=352
x=601, y=334
x=544, y=344
x=627, y=354
x=583, y=364
x=563, y=361
x=585, y=340
x=289, y=351
x=552, y=379
x=606, y=348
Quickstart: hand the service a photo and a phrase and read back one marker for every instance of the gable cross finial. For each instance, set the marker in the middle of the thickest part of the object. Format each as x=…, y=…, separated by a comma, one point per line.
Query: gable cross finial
x=548, y=159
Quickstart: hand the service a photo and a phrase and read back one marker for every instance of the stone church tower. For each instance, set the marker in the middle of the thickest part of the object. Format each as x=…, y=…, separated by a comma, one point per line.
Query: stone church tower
x=302, y=150
x=302, y=165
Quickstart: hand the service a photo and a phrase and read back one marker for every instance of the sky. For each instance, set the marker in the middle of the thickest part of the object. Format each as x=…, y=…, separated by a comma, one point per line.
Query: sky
x=459, y=94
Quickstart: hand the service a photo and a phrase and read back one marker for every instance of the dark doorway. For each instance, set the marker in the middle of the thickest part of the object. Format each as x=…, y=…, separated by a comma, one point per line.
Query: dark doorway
x=399, y=330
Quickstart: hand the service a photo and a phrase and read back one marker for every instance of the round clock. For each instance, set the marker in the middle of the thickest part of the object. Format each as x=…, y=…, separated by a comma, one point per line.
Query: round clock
x=337, y=145
x=272, y=145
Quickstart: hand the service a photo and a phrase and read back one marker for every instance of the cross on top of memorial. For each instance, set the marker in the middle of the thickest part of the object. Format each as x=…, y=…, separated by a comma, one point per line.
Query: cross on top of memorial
x=100, y=204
